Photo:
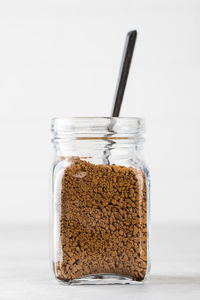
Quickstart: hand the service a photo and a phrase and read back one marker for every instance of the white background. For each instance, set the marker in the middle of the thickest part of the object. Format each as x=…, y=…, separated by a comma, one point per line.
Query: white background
x=61, y=58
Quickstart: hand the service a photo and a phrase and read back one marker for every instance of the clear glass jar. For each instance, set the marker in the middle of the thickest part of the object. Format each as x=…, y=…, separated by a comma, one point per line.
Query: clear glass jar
x=100, y=207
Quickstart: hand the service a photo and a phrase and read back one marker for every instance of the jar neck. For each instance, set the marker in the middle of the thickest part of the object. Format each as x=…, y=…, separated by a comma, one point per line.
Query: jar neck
x=120, y=138
x=100, y=150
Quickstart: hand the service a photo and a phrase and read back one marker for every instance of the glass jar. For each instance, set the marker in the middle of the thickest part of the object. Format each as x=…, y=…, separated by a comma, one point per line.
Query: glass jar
x=100, y=207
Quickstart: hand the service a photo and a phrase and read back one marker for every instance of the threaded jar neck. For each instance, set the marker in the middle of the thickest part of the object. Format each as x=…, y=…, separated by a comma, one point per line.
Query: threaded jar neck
x=97, y=128
x=72, y=136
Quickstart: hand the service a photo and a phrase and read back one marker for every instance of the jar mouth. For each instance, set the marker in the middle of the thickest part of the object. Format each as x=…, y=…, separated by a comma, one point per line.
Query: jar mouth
x=98, y=125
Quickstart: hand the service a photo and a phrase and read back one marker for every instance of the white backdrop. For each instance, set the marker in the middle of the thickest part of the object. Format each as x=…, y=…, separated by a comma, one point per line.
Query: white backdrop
x=61, y=58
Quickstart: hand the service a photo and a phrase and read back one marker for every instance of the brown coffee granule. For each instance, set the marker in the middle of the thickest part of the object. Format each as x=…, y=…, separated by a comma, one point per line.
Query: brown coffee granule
x=103, y=222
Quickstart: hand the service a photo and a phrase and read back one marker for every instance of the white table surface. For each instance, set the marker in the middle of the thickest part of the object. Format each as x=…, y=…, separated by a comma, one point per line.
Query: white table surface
x=25, y=271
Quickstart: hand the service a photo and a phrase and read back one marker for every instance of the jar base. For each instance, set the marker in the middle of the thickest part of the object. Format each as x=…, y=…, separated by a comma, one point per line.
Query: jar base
x=101, y=279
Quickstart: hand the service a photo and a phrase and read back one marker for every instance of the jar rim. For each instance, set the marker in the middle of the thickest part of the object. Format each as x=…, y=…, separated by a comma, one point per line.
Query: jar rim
x=98, y=125
x=96, y=117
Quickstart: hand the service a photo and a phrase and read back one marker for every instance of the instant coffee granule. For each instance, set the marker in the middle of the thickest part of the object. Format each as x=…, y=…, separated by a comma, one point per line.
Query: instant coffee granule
x=103, y=221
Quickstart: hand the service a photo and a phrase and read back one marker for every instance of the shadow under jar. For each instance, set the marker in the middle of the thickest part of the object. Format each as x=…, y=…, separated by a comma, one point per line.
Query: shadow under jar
x=100, y=207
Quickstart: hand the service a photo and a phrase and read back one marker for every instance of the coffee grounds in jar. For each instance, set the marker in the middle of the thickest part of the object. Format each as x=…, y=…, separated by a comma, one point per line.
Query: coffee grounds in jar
x=103, y=222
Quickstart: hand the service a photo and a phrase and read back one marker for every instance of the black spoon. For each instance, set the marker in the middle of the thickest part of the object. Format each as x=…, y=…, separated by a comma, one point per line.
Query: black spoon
x=120, y=88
